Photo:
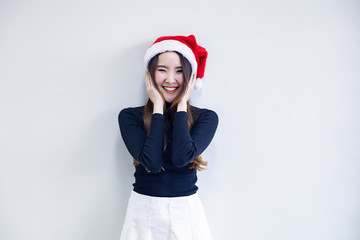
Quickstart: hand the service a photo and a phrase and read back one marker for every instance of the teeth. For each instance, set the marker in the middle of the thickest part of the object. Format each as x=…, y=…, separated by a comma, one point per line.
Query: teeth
x=170, y=88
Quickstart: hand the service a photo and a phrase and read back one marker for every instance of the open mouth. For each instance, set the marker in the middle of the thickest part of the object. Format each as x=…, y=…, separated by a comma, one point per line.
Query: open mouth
x=170, y=90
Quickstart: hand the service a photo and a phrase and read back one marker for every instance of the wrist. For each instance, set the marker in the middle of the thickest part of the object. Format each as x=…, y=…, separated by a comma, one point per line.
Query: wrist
x=182, y=106
x=158, y=108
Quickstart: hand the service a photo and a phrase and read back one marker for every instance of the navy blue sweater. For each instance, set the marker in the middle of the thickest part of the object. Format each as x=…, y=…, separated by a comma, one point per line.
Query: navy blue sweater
x=166, y=173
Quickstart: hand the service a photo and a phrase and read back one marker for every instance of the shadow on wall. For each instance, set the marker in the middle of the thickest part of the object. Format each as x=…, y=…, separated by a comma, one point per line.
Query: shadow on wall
x=130, y=92
x=123, y=86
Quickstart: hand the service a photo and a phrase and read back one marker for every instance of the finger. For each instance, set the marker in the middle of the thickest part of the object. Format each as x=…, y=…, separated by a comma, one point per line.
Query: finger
x=150, y=81
x=193, y=79
x=147, y=79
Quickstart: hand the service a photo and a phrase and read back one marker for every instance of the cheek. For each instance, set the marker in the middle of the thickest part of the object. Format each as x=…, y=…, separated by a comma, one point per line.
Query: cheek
x=158, y=79
x=181, y=80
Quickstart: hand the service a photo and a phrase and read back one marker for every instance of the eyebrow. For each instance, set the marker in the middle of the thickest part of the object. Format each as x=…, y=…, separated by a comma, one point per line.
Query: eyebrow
x=163, y=66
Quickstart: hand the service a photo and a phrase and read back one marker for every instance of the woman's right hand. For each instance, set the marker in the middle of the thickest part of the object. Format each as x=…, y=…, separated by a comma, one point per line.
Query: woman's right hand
x=154, y=94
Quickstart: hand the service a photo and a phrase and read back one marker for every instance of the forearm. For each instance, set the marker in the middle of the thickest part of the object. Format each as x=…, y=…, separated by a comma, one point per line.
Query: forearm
x=183, y=149
x=188, y=145
x=145, y=148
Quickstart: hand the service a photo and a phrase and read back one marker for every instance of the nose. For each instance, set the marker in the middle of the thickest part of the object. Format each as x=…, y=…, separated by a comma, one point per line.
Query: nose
x=171, y=78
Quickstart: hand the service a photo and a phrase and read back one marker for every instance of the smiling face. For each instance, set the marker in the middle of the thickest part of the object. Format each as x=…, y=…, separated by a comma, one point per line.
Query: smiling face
x=169, y=75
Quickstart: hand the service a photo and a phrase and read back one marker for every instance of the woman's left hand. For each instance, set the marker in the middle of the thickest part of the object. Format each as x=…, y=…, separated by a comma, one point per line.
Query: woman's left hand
x=182, y=106
x=189, y=89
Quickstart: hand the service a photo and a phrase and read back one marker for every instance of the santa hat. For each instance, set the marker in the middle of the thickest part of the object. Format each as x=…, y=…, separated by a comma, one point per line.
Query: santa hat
x=186, y=46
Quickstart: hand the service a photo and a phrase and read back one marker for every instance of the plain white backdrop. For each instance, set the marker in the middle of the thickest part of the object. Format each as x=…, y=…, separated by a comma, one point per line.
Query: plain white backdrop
x=283, y=77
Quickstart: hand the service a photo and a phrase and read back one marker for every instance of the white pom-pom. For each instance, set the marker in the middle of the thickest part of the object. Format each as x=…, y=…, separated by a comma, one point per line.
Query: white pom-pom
x=198, y=83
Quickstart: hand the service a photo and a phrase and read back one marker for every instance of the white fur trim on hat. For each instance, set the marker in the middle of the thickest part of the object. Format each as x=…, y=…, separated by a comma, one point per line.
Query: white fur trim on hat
x=198, y=83
x=171, y=45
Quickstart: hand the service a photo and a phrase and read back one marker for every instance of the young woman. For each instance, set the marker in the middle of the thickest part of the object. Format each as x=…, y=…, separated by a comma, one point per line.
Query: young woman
x=165, y=138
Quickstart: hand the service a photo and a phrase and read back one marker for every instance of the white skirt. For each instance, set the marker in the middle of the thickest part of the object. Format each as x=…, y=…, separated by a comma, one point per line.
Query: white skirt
x=165, y=218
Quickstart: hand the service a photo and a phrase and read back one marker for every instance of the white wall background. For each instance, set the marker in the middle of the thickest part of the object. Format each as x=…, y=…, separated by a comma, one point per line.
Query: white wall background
x=283, y=77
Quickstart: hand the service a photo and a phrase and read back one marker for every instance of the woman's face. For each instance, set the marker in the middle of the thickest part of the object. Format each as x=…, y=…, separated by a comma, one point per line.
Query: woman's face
x=168, y=75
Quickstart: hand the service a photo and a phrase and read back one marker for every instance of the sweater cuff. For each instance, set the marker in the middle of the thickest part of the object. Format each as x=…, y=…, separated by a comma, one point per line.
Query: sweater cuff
x=157, y=124
x=157, y=116
x=157, y=121
x=181, y=116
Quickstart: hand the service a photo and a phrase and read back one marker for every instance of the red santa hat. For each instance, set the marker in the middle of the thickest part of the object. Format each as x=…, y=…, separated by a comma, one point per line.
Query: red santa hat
x=186, y=46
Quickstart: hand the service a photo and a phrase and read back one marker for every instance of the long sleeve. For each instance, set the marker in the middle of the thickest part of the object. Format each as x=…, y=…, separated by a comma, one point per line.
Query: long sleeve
x=188, y=145
x=148, y=150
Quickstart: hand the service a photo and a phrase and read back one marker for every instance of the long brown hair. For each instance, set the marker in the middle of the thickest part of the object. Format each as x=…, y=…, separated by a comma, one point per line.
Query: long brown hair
x=148, y=108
